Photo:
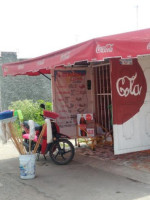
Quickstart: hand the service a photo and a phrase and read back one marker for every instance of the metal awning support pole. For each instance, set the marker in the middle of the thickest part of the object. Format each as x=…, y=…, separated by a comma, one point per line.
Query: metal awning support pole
x=45, y=75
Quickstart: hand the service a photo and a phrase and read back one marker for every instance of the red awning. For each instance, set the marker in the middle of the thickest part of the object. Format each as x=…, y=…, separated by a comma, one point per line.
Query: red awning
x=122, y=45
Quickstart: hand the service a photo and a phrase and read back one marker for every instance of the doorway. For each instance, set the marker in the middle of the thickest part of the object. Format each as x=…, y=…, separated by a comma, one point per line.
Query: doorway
x=103, y=96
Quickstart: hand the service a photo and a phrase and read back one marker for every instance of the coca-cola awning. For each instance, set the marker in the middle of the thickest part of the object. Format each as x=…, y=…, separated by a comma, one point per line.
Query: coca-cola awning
x=123, y=45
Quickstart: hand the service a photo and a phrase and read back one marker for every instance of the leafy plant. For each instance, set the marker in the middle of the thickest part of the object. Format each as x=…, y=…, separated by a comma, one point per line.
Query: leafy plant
x=31, y=110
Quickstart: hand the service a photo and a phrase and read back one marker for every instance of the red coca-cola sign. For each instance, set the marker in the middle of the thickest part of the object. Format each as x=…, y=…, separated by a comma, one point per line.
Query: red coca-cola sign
x=88, y=117
x=128, y=90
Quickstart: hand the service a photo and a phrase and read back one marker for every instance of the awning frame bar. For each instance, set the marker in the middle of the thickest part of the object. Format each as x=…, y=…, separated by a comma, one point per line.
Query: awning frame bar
x=44, y=75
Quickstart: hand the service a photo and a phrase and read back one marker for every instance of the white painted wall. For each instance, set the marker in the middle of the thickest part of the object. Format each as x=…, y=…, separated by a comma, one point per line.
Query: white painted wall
x=134, y=135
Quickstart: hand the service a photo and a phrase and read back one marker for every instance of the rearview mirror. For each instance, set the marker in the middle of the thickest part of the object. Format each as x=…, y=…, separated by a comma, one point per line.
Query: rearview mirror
x=42, y=106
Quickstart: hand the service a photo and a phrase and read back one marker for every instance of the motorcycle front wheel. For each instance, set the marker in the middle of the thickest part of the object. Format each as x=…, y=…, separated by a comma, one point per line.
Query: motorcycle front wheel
x=62, y=151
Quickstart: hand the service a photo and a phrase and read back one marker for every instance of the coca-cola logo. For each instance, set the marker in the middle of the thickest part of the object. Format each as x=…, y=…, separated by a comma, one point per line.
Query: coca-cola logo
x=126, y=86
x=65, y=56
x=104, y=49
x=21, y=66
x=129, y=89
x=5, y=69
x=148, y=46
x=41, y=62
x=89, y=117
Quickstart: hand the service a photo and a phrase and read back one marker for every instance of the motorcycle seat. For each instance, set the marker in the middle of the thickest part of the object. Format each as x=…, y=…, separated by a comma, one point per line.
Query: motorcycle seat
x=26, y=136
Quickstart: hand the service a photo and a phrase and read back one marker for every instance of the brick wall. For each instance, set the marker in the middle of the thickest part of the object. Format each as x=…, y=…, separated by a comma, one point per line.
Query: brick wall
x=21, y=87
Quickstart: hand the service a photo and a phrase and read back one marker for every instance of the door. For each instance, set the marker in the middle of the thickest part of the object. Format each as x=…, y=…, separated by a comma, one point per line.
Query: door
x=103, y=96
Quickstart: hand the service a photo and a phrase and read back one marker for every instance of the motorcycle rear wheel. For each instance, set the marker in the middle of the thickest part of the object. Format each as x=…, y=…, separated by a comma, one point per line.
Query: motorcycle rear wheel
x=62, y=152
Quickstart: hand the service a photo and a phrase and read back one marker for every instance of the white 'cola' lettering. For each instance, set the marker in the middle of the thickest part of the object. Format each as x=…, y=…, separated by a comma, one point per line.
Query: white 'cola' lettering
x=132, y=89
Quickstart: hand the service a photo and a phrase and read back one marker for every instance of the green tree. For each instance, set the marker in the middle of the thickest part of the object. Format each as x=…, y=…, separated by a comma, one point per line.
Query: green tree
x=31, y=110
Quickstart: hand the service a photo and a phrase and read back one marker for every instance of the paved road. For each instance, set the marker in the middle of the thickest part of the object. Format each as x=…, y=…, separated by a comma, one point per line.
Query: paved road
x=77, y=180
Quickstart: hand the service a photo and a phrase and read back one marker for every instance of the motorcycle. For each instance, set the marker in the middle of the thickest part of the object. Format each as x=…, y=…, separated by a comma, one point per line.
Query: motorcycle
x=60, y=149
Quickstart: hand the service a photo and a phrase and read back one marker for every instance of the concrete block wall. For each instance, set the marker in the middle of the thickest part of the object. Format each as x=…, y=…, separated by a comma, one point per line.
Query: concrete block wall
x=13, y=88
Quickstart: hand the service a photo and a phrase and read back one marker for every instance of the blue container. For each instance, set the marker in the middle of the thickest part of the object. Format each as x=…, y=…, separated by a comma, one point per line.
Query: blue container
x=6, y=114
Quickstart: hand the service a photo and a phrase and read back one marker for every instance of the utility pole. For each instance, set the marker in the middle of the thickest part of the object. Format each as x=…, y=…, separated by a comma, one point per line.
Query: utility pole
x=137, y=16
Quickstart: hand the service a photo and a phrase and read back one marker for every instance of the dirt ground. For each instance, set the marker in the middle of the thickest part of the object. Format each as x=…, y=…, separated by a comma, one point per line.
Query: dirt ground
x=136, y=160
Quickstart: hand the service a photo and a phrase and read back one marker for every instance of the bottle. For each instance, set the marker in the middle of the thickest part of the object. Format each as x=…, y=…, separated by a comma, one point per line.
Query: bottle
x=83, y=126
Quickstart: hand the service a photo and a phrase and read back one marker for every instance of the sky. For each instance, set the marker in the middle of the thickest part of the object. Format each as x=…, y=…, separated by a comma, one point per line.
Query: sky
x=36, y=27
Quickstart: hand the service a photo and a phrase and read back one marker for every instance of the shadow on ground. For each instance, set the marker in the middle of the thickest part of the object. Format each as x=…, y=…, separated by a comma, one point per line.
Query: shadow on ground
x=79, y=180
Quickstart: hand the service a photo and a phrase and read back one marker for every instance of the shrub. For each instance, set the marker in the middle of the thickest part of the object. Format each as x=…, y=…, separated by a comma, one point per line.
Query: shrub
x=31, y=110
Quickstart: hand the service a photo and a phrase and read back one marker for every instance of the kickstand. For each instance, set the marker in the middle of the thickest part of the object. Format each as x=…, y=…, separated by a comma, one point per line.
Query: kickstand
x=37, y=156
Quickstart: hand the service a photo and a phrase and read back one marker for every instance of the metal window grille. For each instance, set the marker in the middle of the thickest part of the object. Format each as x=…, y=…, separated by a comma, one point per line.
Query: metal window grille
x=103, y=96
